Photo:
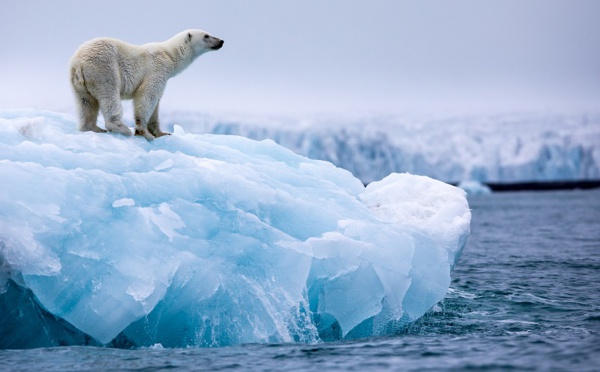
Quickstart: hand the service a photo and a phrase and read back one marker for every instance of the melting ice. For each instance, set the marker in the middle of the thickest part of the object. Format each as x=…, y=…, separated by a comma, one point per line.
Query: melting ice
x=208, y=240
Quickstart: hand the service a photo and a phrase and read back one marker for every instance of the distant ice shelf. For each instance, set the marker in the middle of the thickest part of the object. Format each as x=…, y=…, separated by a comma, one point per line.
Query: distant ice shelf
x=499, y=149
x=209, y=240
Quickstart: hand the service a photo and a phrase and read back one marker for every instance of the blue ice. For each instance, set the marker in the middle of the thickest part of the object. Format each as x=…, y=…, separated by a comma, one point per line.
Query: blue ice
x=208, y=240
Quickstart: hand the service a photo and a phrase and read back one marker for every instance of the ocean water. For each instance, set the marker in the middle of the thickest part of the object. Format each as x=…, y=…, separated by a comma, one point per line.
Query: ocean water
x=525, y=296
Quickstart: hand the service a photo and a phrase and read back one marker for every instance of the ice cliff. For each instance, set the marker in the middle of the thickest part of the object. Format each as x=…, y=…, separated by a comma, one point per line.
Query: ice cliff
x=208, y=240
x=502, y=148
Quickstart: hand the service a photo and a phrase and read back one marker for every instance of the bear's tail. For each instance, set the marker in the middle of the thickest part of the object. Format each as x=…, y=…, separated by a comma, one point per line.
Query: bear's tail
x=77, y=79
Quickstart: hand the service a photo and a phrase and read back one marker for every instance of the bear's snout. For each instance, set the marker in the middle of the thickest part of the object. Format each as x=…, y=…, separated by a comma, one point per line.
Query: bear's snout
x=218, y=44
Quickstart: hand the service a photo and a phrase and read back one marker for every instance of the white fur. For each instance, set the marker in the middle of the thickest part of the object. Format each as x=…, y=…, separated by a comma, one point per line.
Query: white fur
x=104, y=71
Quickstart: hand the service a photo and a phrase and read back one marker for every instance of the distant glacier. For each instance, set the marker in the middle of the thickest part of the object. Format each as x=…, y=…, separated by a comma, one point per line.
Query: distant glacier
x=502, y=148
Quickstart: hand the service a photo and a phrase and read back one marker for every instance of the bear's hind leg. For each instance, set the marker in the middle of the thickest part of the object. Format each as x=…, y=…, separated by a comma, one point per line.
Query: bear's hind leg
x=88, y=107
x=112, y=110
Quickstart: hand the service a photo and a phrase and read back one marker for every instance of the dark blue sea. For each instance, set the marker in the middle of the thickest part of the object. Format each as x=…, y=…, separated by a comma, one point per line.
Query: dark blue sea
x=525, y=296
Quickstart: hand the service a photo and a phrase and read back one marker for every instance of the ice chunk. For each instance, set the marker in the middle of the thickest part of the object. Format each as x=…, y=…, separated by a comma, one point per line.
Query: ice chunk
x=475, y=188
x=208, y=240
x=124, y=202
x=164, y=165
x=440, y=209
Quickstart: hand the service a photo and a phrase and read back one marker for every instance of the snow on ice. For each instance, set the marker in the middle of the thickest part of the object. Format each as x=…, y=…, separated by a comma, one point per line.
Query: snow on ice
x=208, y=240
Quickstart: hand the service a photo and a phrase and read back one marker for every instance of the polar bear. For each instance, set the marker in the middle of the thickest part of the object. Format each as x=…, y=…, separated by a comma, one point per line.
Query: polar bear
x=105, y=70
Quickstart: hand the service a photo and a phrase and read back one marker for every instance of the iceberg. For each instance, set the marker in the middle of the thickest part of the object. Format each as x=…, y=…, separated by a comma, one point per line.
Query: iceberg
x=208, y=240
x=474, y=187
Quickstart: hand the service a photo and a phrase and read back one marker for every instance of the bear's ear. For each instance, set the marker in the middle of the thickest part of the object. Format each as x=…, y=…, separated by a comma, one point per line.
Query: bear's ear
x=189, y=37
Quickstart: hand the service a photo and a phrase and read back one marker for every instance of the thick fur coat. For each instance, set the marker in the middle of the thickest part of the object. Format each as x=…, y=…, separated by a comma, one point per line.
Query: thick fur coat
x=104, y=71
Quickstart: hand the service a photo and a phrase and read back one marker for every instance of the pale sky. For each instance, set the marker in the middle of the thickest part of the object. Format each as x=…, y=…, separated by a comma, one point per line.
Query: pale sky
x=334, y=56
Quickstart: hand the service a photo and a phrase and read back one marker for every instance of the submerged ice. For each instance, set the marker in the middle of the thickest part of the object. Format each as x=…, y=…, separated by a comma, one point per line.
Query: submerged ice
x=208, y=240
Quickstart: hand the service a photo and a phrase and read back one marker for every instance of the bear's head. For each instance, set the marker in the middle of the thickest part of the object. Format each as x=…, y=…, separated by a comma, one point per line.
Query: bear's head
x=201, y=42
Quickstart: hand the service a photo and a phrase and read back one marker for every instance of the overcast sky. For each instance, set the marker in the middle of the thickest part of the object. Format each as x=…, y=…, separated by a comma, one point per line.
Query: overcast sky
x=334, y=56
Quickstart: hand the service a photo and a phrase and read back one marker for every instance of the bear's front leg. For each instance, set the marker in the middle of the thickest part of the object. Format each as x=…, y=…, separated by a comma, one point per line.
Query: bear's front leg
x=154, y=125
x=145, y=101
x=141, y=130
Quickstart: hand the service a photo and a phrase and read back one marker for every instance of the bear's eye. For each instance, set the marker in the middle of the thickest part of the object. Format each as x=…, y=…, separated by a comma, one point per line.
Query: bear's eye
x=205, y=37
